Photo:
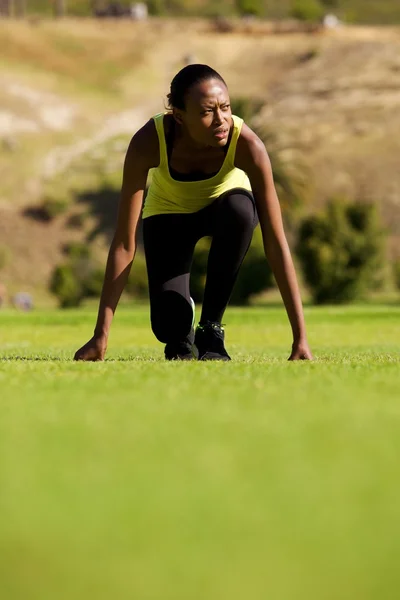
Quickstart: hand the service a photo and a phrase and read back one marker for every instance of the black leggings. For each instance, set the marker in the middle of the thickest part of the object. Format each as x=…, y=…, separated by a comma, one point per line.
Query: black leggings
x=169, y=242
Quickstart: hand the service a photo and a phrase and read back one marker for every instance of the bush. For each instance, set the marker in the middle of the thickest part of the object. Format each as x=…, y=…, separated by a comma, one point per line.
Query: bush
x=93, y=283
x=331, y=4
x=53, y=207
x=250, y=7
x=78, y=278
x=246, y=107
x=307, y=10
x=66, y=286
x=396, y=273
x=77, y=251
x=76, y=221
x=341, y=251
x=137, y=284
x=254, y=276
x=156, y=7
x=199, y=269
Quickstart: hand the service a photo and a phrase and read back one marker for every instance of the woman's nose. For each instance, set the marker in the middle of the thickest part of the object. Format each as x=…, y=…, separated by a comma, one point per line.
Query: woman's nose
x=218, y=117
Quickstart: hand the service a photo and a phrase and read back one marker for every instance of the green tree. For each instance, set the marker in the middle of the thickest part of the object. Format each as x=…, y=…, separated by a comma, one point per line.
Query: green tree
x=250, y=7
x=341, y=251
x=138, y=285
x=77, y=278
x=156, y=7
x=254, y=276
x=66, y=286
x=307, y=10
x=396, y=273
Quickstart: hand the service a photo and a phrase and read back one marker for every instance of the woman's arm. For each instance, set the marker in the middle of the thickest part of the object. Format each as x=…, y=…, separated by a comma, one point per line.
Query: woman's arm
x=138, y=160
x=252, y=157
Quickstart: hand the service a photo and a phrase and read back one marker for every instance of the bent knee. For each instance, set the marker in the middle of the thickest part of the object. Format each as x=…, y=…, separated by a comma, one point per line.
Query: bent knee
x=171, y=316
x=239, y=208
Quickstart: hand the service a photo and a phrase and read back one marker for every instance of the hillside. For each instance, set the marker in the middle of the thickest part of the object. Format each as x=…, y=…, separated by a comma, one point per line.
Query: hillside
x=73, y=92
x=351, y=11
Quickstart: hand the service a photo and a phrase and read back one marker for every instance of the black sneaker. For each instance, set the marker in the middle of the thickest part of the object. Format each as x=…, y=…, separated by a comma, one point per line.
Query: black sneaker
x=182, y=350
x=209, y=341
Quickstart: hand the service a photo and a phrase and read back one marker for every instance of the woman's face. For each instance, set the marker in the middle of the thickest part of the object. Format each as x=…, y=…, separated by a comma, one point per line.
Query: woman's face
x=207, y=116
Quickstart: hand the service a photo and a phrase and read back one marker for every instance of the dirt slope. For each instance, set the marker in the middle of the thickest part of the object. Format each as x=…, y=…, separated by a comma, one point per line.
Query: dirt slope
x=70, y=87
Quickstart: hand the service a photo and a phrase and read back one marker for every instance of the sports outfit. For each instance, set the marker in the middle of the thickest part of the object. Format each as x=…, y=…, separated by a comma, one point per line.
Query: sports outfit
x=179, y=210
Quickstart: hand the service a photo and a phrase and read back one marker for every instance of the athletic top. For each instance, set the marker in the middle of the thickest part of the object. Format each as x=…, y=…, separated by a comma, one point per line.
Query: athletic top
x=167, y=195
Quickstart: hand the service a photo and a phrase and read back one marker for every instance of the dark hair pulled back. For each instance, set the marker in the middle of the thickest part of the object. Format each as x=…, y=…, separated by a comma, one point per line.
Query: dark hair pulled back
x=185, y=79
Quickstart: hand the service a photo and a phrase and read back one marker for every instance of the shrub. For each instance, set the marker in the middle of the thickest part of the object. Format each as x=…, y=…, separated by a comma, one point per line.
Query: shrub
x=137, y=284
x=396, y=272
x=76, y=221
x=93, y=284
x=254, y=275
x=341, y=251
x=53, y=207
x=331, y=4
x=250, y=7
x=66, y=286
x=77, y=251
x=307, y=10
x=78, y=278
x=246, y=107
x=199, y=269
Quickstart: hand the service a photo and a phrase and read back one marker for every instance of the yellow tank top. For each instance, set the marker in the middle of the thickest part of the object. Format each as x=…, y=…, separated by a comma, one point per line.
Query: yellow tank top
x=167, y=195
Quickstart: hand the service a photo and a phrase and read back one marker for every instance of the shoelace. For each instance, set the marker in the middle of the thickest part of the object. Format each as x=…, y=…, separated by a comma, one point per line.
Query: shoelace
x=212, y=324
x=214, y=333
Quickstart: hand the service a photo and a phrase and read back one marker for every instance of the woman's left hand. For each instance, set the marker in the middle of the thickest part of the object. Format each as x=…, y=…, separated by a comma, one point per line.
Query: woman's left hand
x=301, y=351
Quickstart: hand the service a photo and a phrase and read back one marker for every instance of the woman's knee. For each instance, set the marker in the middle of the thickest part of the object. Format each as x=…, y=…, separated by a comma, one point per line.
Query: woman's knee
x=171, y=316
x=239, y=209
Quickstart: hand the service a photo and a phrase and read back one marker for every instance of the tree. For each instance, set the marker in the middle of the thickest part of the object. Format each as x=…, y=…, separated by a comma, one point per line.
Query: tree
x=341, y=251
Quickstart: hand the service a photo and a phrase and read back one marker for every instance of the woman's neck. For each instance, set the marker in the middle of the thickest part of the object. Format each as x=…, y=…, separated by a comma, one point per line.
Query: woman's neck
x=184, y=138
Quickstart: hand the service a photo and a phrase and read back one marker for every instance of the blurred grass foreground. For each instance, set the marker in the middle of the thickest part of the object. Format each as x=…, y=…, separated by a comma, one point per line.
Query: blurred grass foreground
x=137, y=478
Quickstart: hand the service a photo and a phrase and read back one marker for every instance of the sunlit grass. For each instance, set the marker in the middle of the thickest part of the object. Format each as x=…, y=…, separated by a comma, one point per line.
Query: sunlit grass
x=138, y=478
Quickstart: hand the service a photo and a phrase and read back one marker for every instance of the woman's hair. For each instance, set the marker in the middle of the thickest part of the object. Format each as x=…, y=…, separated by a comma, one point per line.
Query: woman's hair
x=185, y=79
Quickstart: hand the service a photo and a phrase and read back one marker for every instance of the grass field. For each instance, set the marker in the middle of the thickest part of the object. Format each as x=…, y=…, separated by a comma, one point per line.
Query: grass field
x=257, y=479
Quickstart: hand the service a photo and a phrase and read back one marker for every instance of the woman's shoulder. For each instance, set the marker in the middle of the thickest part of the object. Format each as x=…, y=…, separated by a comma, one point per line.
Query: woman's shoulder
x=249, y=148
x=145, y=144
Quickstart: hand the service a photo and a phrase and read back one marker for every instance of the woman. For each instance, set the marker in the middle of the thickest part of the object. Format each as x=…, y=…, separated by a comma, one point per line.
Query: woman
x=212, y=177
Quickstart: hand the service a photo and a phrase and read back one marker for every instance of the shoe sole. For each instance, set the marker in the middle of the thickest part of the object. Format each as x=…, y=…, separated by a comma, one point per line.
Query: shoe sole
x=211, y=356
x=193, y=308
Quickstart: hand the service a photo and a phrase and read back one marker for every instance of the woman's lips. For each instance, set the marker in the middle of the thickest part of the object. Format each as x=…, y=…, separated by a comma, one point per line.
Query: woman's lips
x=221, y=134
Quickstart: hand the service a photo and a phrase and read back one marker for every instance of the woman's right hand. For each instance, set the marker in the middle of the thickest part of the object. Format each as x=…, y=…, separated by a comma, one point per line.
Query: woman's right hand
x=93, y=350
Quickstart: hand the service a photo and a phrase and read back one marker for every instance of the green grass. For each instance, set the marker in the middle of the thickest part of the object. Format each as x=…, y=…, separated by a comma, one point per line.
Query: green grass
x=258, y=479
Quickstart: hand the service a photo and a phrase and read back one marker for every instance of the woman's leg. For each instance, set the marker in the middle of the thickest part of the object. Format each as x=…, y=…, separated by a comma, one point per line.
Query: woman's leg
x=233, y=220
x=169, y=242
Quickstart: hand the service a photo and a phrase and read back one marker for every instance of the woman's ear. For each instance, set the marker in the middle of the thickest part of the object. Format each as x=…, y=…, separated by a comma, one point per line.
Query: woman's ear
x=177, y=114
